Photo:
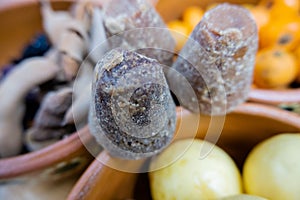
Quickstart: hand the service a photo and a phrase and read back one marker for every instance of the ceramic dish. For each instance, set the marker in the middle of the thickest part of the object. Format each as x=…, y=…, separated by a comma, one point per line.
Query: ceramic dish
x=249, y=124
x=21, y=20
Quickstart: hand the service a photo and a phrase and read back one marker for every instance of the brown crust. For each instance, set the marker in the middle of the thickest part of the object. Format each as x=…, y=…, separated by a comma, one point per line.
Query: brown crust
x=133, y=114
x=217, y=60
x=144, y=29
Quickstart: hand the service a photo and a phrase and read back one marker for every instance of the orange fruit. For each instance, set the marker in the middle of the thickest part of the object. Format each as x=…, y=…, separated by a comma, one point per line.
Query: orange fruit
x=297, y=56
x=281, y=8
x=274, y=68
x=248, y=5
x=284, y=33
x=192, y=16
x=180, y=32
x=261, y=16
x=211, y=6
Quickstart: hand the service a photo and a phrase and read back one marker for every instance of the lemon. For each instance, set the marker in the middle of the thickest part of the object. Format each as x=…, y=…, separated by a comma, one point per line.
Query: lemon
x=272, y=169
x=190, y=177
x=243, y=197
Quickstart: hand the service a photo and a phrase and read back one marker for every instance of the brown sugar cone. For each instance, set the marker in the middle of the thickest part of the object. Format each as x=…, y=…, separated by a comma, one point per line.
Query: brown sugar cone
x=138, y=27
x=132, y=114
x=217, y=61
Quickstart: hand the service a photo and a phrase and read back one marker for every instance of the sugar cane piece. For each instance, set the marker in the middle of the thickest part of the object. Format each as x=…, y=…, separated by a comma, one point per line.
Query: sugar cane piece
x=225, y=43
x=132, y=114
x=139, y=27
x=13, y=89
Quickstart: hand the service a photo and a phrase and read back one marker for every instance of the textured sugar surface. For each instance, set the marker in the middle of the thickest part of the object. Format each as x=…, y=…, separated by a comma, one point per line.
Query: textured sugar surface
x=218, y=60
x=133, y=113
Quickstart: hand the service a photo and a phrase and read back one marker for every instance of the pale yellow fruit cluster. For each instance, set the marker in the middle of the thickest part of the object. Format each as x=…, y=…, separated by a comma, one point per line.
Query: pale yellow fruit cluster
x=190, y=177
x=271, y=171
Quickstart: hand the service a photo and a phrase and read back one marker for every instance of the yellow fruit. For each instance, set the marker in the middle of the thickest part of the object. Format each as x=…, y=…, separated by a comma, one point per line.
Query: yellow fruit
x=190, y=177
x=192, y=16
x=274, y=68
x=272, y=169
x=243, y=197
x=180, y=32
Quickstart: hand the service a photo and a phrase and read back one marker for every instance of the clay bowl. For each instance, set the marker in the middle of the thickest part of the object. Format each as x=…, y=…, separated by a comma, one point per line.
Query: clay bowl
x=20, y=21
x=275, y=97
x=261, y=122
x=249, y=124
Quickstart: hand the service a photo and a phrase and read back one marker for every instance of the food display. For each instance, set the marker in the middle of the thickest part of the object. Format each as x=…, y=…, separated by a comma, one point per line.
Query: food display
x=278, y=23
x=117, y=70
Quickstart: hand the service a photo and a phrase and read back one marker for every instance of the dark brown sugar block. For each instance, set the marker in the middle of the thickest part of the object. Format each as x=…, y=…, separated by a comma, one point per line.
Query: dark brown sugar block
x=217, y=61
x=135, y=24
x=132, y=114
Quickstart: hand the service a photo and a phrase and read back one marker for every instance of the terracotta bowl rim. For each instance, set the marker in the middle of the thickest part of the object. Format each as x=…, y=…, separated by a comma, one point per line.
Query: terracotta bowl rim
x=41, y=159
x=84, y=186
x=36, y=161
x=274, y=96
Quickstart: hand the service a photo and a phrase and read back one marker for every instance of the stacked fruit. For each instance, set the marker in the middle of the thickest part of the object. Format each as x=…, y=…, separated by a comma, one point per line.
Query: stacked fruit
x=278, y=57
x=271, y=171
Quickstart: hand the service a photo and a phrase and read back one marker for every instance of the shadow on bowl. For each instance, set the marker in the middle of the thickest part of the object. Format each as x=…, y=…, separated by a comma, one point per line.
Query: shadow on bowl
x=248, y=125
